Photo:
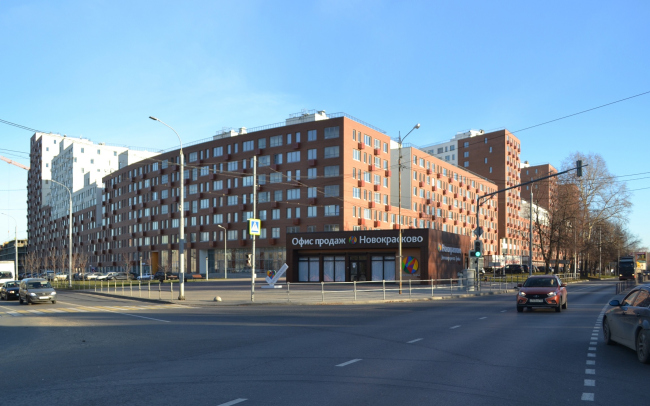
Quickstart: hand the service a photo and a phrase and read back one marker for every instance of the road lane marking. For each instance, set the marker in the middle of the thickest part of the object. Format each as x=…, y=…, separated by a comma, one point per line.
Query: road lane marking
x=349, y=362
x=590, y=382
x=482, y=318
x=14, y=314
x=414, y=341
x=233, y=402
x=35, y=311
x=593, y=343
x=591, y=362
x=503, y=311
x=591, y=354
x=588, y=397
x=592, y=348
x=590, y=372
x=451, y=328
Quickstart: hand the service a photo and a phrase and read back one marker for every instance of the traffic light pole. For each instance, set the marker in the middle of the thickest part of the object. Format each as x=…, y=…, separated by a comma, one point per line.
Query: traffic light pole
x=578, y=170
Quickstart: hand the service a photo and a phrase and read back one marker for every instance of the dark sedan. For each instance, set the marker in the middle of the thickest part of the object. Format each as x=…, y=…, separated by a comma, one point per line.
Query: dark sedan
x=10, y=290
x=628, y=322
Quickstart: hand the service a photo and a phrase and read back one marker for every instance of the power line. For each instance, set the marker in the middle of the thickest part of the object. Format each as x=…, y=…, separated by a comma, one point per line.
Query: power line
x=22, y=127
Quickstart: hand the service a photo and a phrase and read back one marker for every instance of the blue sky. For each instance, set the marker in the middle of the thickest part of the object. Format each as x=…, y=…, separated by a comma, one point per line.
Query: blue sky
x=98, y=69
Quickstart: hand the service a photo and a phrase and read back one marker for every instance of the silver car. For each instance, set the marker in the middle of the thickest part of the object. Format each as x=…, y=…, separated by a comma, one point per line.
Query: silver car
x=628, y=322
x=36, y=290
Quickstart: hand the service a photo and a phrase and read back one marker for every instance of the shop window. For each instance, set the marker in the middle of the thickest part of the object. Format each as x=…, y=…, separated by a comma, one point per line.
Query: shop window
x=308, y=269
x=383, y=267
x=334, y=268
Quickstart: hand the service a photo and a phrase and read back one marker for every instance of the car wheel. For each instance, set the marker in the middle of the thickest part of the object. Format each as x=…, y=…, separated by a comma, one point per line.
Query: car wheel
x=643, y=346
x=559, y=306
x=53, y=301
x=20, y=299
x=520, y=309
x=607, y=333
x=29, y=301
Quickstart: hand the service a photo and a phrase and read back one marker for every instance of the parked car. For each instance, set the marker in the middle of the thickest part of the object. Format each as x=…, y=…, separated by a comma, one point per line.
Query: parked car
x=49, y=275
x=36, y=290
x=628, y=322
x=515, y=268
x=61, y=276
x=122, y=276
x=542, y=291
x=91, y=276
x=9, y=290
x=145, y=277
x=165, y=276
x=104, y=277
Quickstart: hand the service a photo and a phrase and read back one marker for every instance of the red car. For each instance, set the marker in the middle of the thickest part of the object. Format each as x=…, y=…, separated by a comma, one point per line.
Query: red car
x=542, y=291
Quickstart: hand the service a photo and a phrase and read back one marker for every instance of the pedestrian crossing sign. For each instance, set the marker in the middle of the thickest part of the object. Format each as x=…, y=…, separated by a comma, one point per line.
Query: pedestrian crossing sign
x=254, y=226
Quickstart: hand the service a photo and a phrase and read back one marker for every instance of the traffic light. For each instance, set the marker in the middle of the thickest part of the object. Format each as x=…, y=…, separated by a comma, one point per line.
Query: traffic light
x=478, y=249
x=249, y=259
x=579, y=168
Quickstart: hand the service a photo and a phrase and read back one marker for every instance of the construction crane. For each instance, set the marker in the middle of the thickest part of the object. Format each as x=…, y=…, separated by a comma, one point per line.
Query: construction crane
x=9, y=161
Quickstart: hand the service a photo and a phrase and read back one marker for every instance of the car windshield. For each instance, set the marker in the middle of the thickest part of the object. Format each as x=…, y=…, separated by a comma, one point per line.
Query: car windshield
x=540, y=283
x=11, y=284
x=38, y=285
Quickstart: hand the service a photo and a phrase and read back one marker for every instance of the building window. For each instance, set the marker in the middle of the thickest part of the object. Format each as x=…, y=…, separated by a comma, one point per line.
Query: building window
x=248, y=146
x=275, y=232
x=293, y=194
x=193, y=156
x=332, y=152
x=217, y=151
x=311, y=153
x=356, y=155
x=331, y=210
x=331, y=132
x=331, y=191
x=311, y=173
x=312, y=211
x=466, y=164
x=311, y=135
x=275, y=141
x=330, y=171
x=332, y=227
x=293, y=156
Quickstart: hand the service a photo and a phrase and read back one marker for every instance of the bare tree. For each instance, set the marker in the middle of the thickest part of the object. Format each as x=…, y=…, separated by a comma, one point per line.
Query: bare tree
x=62, y=260
x=30, y=262
x=82, y=262
x=126, y=262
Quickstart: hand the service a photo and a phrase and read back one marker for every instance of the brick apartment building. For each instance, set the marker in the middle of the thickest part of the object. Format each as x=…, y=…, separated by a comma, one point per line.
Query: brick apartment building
x=316, y=173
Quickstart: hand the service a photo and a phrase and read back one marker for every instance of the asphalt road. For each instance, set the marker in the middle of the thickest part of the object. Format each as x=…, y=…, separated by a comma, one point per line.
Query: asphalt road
x=94, y=350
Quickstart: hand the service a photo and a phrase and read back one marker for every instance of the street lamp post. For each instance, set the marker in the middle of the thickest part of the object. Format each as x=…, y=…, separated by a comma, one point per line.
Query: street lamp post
x=70, y=234
x=399, y=201
x=225, y=240
x=181, y=295
x=15, y=244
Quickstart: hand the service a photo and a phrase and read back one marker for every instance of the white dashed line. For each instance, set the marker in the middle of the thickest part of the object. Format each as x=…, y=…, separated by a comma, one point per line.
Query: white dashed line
x=591, y=355
x=590, y=382
x=233, y=402
x=590, y=372
x=414, y=341
x=592, y=348
x=503, y=311
x=451, y=328
x=591, y=362
x=482, y=318
x=349, y=362
x=588, y=397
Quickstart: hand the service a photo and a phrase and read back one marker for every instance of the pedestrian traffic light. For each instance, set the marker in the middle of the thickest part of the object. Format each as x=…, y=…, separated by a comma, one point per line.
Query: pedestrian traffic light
x=478, y=248
x=249, y=259
x=579, y=168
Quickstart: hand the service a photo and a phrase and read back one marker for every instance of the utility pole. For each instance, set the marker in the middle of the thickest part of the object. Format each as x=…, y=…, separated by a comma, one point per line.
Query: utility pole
x=254, y=216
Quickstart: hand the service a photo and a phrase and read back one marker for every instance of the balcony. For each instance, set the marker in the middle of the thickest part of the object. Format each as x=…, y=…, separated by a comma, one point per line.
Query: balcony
x=312, y=201
x=271, y=241
x=361, y=183
x=242, y=243
x=376, y=151
x=376, y=187
x=361, y=222
x=312, y=162
x=387, y=173
x=387, y=207
x=377, y=223
x=371, y=205
x=361, y=145
x=296, y=222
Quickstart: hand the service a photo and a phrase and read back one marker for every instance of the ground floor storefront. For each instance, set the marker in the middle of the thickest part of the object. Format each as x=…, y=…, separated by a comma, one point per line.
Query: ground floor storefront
x=350, y=256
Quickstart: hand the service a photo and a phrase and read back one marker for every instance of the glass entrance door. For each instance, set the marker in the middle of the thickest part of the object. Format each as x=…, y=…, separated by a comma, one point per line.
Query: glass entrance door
x=358, y=268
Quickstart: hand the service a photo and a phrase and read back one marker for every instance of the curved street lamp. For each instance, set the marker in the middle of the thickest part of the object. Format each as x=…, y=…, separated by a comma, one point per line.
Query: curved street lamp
x=181, y=276
x=399, y=203
x=69, y=232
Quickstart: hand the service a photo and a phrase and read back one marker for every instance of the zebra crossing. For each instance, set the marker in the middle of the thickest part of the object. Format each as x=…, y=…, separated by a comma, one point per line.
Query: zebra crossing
x=43, y=311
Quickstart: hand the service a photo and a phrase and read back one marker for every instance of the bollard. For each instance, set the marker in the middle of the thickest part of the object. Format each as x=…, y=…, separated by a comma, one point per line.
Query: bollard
x=288, y=291
x=95, y=285
x=383, y=286
x=354, y=284
x=159, y=291
x=409, y=288
x=140, y=287
x=171, y=288
x=149, y=288
x=122, y=287
x=322, y=291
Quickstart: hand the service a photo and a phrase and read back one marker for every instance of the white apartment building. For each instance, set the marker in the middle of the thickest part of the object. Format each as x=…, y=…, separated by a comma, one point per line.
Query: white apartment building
x=448, y=151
